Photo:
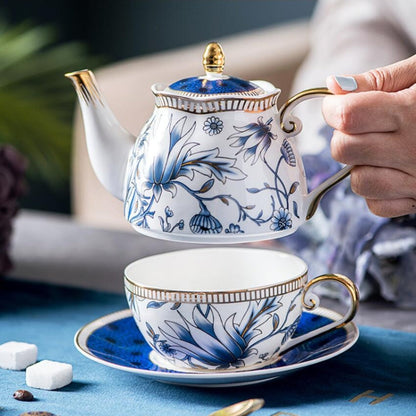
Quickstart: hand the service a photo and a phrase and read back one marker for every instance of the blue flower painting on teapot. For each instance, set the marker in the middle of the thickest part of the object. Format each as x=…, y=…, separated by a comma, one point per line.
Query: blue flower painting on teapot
x=215, y=162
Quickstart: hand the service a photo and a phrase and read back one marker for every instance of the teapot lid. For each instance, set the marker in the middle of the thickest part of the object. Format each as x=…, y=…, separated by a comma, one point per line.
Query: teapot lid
x=214, y=82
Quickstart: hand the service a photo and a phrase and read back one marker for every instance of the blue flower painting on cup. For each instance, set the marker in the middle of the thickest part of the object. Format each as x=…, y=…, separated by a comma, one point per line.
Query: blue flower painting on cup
x=205, y=337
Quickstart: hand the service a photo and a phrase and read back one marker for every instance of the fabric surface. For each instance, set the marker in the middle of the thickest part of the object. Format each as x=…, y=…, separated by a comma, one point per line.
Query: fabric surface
x=376, y=377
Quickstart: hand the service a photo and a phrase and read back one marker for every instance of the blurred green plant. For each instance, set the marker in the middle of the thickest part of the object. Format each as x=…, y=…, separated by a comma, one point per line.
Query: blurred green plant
x=36, y=102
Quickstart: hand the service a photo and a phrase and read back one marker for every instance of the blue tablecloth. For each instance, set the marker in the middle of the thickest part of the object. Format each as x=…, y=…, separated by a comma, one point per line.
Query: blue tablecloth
x=376, y=377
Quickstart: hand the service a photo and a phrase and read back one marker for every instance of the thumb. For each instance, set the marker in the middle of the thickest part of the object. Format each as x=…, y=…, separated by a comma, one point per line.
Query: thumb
x=390, y=78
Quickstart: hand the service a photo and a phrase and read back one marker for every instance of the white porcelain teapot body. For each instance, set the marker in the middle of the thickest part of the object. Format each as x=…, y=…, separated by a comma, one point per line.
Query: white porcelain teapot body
x=215, y=162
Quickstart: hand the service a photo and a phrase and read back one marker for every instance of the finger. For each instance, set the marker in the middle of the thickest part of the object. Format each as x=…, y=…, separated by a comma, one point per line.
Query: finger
x=374, y=149
x=392, y=208
x=341, y=84
x=382, y=183
x=390, y=78
x=373, y=111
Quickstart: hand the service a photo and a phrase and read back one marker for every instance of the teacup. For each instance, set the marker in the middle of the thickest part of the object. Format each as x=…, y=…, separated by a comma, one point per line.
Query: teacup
x=212, y=309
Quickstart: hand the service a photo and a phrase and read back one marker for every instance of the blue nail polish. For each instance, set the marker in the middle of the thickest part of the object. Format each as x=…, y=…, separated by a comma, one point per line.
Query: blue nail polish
x=346, y=83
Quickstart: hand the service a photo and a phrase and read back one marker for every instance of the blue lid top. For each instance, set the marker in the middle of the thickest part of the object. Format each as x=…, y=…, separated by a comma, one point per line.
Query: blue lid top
x=218, y=85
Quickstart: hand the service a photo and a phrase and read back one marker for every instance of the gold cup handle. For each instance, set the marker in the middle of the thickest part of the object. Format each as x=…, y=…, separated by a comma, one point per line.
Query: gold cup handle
x=291, y=126
x=310, y=301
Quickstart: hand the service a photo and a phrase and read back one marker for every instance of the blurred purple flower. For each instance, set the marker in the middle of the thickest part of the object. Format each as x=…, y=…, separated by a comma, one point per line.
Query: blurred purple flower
x=12, y=186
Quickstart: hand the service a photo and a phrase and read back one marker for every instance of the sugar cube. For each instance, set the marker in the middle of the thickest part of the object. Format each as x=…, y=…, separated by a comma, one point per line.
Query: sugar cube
x=49, y=375
x=17, y=355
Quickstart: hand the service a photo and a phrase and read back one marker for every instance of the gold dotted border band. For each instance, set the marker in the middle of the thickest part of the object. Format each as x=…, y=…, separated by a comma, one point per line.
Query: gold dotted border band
x=230, y=296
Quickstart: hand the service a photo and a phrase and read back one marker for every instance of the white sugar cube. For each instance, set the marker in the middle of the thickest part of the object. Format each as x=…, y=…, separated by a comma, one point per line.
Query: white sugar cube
x=17, y=355
x=48, y=375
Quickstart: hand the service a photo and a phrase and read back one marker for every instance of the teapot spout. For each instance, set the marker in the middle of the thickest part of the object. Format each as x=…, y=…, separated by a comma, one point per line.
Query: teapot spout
x=108, y=143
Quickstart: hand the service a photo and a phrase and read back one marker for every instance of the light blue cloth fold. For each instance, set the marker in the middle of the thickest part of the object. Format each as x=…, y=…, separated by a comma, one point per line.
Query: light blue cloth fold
x=381, y=364
x=378, y=254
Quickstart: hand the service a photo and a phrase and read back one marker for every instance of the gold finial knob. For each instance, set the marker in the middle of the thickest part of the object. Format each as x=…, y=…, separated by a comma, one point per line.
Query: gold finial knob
x=214, y=58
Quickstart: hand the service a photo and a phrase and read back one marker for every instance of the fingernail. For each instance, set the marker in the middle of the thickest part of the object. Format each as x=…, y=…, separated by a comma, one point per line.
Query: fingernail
x=346, y=83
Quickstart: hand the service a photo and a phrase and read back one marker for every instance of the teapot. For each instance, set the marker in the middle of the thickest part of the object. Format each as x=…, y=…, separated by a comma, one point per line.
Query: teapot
x=215, y=163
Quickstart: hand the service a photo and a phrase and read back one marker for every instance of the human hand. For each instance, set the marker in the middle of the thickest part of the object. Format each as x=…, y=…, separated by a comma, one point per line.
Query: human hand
x=375, y=131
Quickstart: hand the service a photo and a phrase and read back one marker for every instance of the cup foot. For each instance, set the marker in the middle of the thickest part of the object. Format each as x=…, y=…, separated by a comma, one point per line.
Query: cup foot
x=162, y=362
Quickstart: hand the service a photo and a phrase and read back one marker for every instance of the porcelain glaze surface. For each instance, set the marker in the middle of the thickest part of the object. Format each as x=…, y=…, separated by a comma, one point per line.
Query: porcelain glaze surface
x=115, y=341
x=225, y=308
x=227, y=176
x=228, y=336
x=215, y=163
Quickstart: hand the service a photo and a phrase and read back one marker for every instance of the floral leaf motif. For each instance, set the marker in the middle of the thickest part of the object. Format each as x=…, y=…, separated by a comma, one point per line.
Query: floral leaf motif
x=150, y=330
x=256, y=315
x=157, y=172
x=295, y=209
x=175, y=160
x=290, y=330
x=157, y=191
x=234, y=229
x=155, y=305
x=287, y=153
x=176, y=132
x=276, y=321
x=209, y=163
x=253, y=190
x=175, y=306
x=164, y=227
x=293, y=188
x=281, y=220
x=224, y=201
x=253, y=139
x=171, y=188
x=201, y=320
x=209, y=338
x=205, y=340
x=180, y=331
x=206, y=186
x=204, y=222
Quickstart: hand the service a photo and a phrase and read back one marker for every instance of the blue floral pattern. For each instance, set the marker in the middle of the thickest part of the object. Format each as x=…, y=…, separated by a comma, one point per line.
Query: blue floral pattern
x=150, y=177
x=234, y=229
x=281, y=220
x=254, y=140
x=166, y=226
x=213, y=125
x=204, y=222
x=214, y=340
x=178, y=166
x=287, y=153
x=121, y=343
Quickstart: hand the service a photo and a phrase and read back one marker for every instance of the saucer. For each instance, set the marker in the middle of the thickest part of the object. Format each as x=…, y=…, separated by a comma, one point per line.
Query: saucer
x=115, y=341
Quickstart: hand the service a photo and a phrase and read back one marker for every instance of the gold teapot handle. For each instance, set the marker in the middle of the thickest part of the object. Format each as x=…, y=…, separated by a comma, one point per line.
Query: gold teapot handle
x=290, y=127
x=295, y=100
